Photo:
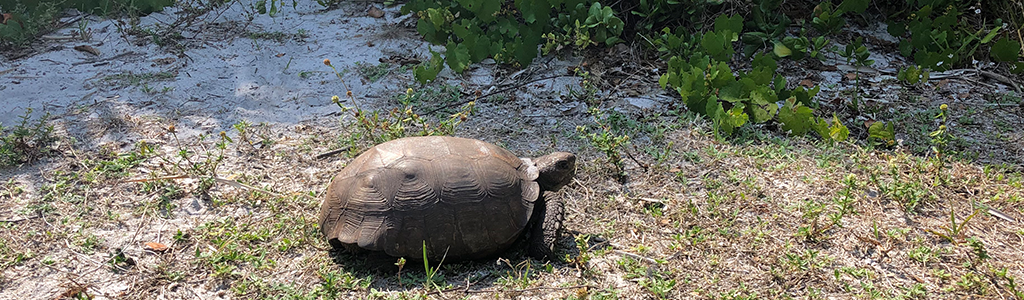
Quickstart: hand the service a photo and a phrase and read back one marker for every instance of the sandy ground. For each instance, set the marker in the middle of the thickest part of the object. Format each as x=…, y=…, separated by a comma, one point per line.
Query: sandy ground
x=227, y=73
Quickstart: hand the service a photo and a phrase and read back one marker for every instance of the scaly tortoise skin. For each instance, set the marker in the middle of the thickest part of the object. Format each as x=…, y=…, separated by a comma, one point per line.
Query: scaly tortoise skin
x=460, y=198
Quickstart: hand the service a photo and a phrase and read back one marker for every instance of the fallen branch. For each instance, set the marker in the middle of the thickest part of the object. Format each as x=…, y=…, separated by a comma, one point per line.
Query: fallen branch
x=502, y=90
x=19, y=220
x=158, y=178
x=333, y=152
x=1001, y=78
x=104, y=59
x=532, y=289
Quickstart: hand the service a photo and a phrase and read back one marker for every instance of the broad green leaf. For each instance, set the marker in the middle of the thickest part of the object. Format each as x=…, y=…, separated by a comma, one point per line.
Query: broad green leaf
x=733, y=23
x=837, y=130
x=779, y=84
x=1017, y=68
x=428, y=70
x=896, y=29
x=882, y=133
x=991, y=34
x=487, y=10
x=457, y=56
x=781, y=50
x=762, y=105
x=437, y=17
x=463, y=29
x=479, y=48
x=1006, y=50
x=712, y=43
x=764, y=61
x=821, y=127
x=733, y=92
x=261, y=7
x=803, y=95
x=795, y=117
x=735, y=118
x=856, y=6
x=719, y=74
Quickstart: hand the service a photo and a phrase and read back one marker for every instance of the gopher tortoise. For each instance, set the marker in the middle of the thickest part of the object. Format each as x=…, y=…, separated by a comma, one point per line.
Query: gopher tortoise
x=457, y=198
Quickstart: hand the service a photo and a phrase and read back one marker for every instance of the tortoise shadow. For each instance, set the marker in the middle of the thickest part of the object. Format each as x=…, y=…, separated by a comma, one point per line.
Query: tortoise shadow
x=468, y=275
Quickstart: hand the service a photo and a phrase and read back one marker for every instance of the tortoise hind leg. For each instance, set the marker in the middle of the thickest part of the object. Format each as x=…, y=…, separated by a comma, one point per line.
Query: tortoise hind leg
x=548, y=214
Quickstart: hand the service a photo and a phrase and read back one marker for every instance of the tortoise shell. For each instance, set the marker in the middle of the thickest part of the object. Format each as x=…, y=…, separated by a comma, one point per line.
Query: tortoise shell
x=459, y=198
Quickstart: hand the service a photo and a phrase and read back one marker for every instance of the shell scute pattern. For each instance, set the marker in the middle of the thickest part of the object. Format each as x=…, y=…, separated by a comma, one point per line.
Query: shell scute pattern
x=462, y=196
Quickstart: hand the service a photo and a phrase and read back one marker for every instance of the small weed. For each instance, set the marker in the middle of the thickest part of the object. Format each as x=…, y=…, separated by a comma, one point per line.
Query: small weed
x=657, y=282
x=373, y=73
x=10, y=189
x=27, y=141
x=955, y=231
x=907, y=191
x=978, y=247
x=916, y=291
x=334, y=281
x=276, y=36
x=605, y=139
x=587, y=93
x=521, y=276
x=84, y=32
x=973, y=282
x=809, y=260
x=940, y=138
x=1011, y=282
x=10, y=257
x=923, y=254
x=87, y=242
x=116, y=166
x=380, y=127
x=432, y=277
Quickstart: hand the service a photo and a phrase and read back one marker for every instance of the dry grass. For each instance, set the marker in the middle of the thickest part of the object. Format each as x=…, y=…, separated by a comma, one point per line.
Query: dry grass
x=768, y=218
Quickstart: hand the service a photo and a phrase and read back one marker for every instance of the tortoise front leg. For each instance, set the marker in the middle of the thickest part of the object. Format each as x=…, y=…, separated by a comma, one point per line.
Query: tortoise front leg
x=548, y=214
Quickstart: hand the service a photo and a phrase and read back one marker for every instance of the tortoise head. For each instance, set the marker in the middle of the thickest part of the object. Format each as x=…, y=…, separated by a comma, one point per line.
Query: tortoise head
x=556, y=170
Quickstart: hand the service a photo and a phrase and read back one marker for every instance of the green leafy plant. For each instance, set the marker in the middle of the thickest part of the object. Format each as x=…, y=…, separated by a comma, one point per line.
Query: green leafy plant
x=272, y=7
x=955, y=231
x=656, y=14
x=856, y=53
x=940, y=138
x=432, y=277
x=827, y=19
x=913, y=75
x=681, y=43
x=427, y=71
x=882, y=134
x=799, y=47
x=27, y=141
x=708, y=86
x=766, y=25
x=583, y=27
x=1011, y=282
x=831, y=131
x=605, y=139
x=398, y=122
x=938, y=40
x=373, y=73
x=508, y=31
x=201, y=166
